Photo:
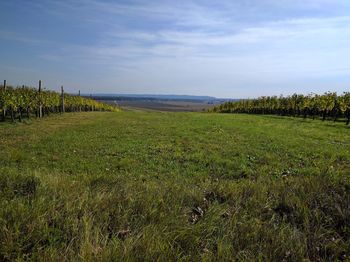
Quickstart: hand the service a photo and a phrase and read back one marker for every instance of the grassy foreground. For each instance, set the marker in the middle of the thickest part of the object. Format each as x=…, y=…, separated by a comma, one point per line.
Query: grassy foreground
x=174, y=186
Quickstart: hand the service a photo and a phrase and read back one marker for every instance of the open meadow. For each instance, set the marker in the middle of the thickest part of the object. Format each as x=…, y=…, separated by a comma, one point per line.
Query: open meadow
x=135, y=186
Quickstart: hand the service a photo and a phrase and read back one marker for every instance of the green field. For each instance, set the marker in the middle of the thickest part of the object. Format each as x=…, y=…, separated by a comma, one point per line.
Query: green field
x=174, y=186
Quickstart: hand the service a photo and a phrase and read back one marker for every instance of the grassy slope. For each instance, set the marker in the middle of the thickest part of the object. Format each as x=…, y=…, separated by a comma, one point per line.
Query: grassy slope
x=142, y=185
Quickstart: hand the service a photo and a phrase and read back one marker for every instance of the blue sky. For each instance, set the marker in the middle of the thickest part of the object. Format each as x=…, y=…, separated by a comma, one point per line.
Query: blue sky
x=242, y=48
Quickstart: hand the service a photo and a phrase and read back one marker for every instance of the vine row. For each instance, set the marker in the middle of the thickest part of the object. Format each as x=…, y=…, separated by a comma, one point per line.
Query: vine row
x=328, y=106
x=24, y=101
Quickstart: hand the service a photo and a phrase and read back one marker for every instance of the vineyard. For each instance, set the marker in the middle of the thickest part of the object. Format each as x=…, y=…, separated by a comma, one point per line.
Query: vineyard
x=329, y=106
x=19, y=102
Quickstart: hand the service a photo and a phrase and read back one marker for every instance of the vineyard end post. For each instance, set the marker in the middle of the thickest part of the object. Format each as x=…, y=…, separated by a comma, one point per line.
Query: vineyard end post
x=62, y=100
x=4, y=110
x=79, y=105
x=40, y=104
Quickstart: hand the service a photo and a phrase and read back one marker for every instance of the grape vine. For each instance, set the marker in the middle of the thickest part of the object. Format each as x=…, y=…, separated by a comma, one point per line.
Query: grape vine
x=328, y=106
x=19, y=102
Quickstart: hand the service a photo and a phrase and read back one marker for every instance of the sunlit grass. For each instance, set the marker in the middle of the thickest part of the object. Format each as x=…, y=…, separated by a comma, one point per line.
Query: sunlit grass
x=170, y=186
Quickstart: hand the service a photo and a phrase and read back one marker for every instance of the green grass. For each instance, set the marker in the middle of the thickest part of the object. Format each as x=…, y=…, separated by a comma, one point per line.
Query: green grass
x=174, y=186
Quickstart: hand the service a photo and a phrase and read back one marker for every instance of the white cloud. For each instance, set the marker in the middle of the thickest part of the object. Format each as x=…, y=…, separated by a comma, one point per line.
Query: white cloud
x=293, y=35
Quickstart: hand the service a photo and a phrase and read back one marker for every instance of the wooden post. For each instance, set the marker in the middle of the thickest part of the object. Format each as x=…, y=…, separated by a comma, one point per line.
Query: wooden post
x=3, y=109
x=79, y=105
x=62, y=100
x=92, y=107
x=40, y=104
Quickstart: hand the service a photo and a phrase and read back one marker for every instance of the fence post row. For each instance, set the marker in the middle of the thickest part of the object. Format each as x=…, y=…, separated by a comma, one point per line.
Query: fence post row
x=62, y=100
x=44, y=107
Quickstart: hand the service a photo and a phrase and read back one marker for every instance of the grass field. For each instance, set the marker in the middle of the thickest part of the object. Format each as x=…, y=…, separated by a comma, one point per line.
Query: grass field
x=174, y=186
x=164, y=105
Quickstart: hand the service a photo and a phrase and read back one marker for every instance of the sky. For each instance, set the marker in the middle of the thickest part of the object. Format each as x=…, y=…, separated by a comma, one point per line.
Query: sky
x=229, y=49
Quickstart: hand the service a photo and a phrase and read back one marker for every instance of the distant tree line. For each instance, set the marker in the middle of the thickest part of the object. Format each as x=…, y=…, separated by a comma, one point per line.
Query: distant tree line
x=19, y=102
x=328, y=106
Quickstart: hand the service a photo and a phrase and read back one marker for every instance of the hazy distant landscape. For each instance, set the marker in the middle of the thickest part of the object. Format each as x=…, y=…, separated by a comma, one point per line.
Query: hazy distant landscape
x=171, y=103
x=161, y=105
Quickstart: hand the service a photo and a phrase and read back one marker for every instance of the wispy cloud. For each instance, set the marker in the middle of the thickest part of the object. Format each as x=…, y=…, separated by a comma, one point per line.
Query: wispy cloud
x=193, y=44
x=293, y=35
x=19, y=37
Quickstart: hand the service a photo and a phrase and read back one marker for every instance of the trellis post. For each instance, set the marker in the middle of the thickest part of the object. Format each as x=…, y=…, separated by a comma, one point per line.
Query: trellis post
x=62, y=100
x=4, y=110
x=40, y=102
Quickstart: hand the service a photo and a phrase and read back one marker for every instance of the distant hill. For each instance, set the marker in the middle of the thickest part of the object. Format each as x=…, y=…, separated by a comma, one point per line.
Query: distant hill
x=157, y=97
x=150, y=97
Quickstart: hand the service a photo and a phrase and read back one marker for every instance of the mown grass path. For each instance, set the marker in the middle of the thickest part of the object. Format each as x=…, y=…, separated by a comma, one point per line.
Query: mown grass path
x=168, y=186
